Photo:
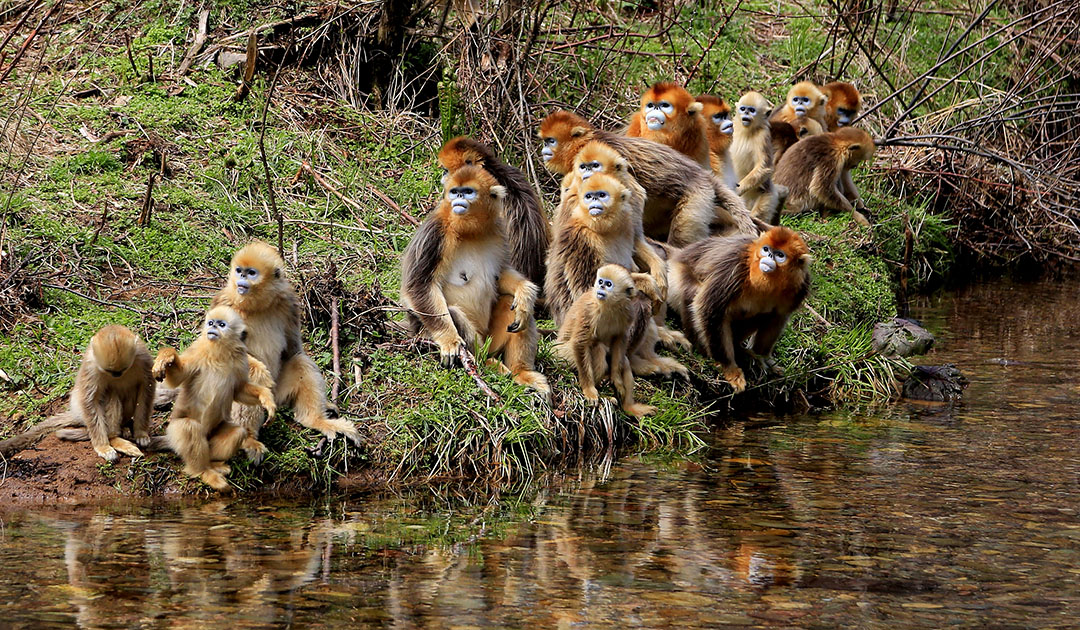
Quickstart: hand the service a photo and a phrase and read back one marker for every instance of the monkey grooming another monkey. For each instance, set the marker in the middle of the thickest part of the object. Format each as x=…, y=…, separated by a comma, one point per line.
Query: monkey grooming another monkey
x=817, y=172
x=459, y=287
x=607, y=317
x=752, y=155
x=525, y=221
x=113, y=391
x=727, y=289
x=670, y=115
x=210, y=375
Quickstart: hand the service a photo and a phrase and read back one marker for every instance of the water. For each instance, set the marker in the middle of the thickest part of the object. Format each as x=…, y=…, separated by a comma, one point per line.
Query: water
x=911, y=517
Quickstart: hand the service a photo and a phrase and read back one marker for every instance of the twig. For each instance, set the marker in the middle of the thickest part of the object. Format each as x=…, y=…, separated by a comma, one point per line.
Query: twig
x=131, y=57
x=249, y=70
x=196, y=46
x=29, y=38
x=320, y=180
x=266, y=165
x=393, y=205
x=335, y=348
x=148, y=202
x=14, y=29
x=469, y=363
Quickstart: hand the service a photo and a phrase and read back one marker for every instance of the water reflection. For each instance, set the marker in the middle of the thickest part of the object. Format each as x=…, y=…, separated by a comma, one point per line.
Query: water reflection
x=915, y=517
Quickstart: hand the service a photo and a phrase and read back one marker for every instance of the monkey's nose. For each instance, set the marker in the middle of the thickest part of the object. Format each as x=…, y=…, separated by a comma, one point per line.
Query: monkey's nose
x=547, y=154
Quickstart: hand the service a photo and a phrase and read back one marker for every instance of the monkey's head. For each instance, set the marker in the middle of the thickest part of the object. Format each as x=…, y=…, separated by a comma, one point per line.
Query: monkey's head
x=597, y=157
x=804, y=98
x=223, y=324
x=463, y=151
x=753, y=110
x=844, y=102
x=857, y=144
x=779, y=257
x=472, y=200
x=614, y=284
x=255, y=267
x=667, y=106
x=600, y=198
x=562, y=134
x=113, y=350
x=717, y=112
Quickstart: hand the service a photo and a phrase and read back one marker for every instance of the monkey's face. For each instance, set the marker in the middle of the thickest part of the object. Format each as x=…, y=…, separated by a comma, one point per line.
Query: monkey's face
x=245, y=278
x=252, y=267
x=460, y=198
x=597, y=201
x=844, y=116
x=722, y=119
x=216, y=328
x=587, y=169
x=613, y=282
x=657, y=113
x=769, y=259
x=751, y=110
x=550, y=144
x=800, y=104
x=223, y=323
x=560, y=135
x=779, y=249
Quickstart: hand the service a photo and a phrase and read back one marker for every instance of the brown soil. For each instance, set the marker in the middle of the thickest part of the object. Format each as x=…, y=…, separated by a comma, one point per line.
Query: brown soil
x=54, y=471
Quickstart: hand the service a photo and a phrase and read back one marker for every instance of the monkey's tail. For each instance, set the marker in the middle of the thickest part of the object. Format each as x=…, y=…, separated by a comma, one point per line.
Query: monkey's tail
x=158, y=443
x=74, y=435
x=30, y=437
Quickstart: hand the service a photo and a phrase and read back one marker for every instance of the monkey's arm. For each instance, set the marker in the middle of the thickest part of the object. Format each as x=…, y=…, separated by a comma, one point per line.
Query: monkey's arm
x=422, y=293
x=761, y=173
x=170, y=367
x=847, y=186
x=97, y=424
x=258, y=373
x=252, y=394
x=524, y=292
x=647, y=258
x=766, y=336
x=583, y=360
x=826, y=193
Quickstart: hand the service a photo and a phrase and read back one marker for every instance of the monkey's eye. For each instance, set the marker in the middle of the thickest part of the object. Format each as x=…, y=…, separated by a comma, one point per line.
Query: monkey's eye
x=765, y=250
x=549, y=142
x=595, y=166
x=717, y=117
x=600, y=195
x=222, y=324
x=239, y=270
x=779, y=255
x=608, y=283
x=650, y=105
x=666, y=106
x=116, y=373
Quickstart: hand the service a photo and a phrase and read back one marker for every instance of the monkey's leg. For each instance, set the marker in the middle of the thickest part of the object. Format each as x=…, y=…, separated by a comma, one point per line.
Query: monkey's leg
x=626, y=389
x=524, y=298
x=140, y=418
x=765, y=339
x=98, y=427
x=647, y=258
x=585, y=362
x=187, y=437
x=828, y=195
x=645, y=362
x=725, y=353
x=125, y=447
x=764, y=207
x=301, y=382
x=224, y=444
x=252, y=419
x=518, y=348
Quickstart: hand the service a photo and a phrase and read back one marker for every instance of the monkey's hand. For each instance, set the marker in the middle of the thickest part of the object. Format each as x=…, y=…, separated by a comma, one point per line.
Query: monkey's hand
x=109, y=454
x=166, y=358
x=592, y=397
x=266, y=401
x=143, y=441
x=258, y=373
x=523, y=304
x=448, y=352
x=735, y=377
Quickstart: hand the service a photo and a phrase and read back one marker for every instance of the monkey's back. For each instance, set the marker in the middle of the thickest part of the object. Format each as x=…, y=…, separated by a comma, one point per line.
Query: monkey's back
x=811, y=158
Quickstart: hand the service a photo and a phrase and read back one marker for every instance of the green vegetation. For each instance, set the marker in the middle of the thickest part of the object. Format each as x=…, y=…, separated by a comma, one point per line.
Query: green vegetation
x=74, y=220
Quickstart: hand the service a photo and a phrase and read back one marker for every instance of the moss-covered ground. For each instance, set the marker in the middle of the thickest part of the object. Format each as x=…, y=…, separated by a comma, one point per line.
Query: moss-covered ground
x=77, y=172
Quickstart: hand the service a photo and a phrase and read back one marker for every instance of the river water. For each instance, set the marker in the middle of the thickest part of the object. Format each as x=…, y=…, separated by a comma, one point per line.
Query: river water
x=906, y=517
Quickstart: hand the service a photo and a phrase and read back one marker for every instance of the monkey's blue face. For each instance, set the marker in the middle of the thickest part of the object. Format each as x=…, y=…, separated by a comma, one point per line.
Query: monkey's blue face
x=771, y=259
x=460, y=198
x=216, y=328
x=586, y=169
x=246, y=277
x=747, y=113
x=597, y=201
x=844, y=116
x=548, y=151
x=656, y=114
x=800, y=104
x=603, y=288
x=723, y=120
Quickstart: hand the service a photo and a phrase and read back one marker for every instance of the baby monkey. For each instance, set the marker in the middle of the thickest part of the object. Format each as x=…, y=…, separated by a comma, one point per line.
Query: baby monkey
x=615, y=315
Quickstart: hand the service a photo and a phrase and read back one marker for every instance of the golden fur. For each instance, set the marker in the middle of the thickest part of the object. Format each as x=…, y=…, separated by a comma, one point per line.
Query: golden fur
x=752, y=156
x=817, y=172
x=679, y=119
x=718, y=130
x=211, y=374
x=809, y=115
x=604, y=318
x=843, y=105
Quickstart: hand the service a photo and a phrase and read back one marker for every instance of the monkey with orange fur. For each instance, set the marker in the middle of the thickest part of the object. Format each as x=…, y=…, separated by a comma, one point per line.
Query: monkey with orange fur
x=817, y=172
x=670, y=115
x=718, y=130
x=525, y=221
x=258, y=290
x=459, y=287
x=607, y=317
x=727, y=289
x=210, y=375
x=113, y=391
x=804, y=107
x=843, y=105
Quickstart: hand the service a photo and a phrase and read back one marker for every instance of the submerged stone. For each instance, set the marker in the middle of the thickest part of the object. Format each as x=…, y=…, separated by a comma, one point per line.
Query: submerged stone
x=935, y=383
x=901, y=338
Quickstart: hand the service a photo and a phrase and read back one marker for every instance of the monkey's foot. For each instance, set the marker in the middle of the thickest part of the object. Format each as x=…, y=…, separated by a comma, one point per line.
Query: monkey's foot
x=143, y=441
x=860, y=218
x=108, y=454
x=125, y=447
x=673, y=339
x=215, y=480
x=670, y=367
x=535, y=380
x=592, y=397
x=639, y=410
x=331, y=427
x=734, y=376
x=254, y=449
x=221, y=468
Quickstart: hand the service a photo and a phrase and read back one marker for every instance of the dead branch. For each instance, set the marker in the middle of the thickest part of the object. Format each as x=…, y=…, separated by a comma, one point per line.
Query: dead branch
x=197, y=44
x=321, y=181
x=469, y=363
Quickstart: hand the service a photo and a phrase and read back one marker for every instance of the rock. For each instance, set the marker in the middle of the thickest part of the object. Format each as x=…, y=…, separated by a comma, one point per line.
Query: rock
x=935, y=383
x=901, y=337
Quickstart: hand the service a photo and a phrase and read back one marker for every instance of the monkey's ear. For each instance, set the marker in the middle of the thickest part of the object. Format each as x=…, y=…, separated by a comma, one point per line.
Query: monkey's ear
x=694, y=107
x=824, y=98
x=624, y=196
x=806, y=259
x=243, y=335
x=577, y=132
x=498, y=192
x=277, y=272
x=768, y=112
